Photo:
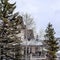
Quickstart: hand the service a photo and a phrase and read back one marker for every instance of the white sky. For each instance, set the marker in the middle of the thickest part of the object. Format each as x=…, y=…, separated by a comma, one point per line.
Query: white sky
x=43, y=12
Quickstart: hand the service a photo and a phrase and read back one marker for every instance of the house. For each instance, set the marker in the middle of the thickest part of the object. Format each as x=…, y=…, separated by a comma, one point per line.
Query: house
x=35, y=49
x=34, y=46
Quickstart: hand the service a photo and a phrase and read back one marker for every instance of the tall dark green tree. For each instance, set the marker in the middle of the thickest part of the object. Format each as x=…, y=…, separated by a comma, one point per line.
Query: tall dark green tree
x=51, y=43
x=9, y=27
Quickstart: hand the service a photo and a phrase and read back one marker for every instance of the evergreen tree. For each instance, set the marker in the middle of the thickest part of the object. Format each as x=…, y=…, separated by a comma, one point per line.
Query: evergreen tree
x=8, y=27
x=51, y=43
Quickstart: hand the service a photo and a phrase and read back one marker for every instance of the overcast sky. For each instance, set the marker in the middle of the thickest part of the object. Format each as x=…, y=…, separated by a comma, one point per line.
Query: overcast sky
x=43, y=12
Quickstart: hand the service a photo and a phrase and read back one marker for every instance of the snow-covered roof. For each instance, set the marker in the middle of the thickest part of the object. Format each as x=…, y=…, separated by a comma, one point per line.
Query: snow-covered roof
x=32, y=42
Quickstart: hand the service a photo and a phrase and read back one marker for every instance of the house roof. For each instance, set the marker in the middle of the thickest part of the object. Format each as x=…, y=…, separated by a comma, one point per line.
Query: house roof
x=32, y=43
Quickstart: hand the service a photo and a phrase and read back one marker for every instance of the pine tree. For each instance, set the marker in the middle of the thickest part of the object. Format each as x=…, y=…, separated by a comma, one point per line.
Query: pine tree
x=8, y=27
x=51, y=43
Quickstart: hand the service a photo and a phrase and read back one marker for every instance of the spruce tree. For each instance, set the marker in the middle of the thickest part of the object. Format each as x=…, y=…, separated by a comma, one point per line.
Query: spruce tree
x=8, y=27
x=51, y=43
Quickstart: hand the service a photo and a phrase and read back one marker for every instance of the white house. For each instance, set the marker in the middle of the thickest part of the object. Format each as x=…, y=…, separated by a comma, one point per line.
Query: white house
x=35, y=49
